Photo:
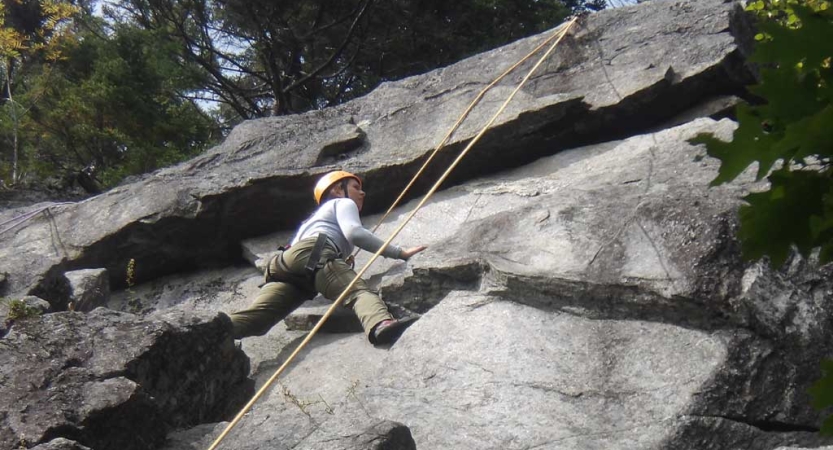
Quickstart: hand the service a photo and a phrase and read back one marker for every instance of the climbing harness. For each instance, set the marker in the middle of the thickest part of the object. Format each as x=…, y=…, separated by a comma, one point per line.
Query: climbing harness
x=560, y=33
x=315, y=256
x=283, y=273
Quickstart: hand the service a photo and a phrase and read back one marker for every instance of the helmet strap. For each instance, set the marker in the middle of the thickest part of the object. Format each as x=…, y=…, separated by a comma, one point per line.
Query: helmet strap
x=344, y=187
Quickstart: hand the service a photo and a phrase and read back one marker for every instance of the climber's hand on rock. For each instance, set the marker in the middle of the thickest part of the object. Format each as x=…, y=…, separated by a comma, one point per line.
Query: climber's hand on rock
x=408, y=252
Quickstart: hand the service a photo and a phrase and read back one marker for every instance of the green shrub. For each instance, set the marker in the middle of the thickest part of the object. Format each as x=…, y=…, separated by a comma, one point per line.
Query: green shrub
x=19, y=310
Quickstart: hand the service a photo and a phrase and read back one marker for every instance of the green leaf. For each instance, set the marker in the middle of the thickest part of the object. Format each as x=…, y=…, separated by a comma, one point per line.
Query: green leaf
x=809, y=136
x=749, y=144
x=790, y=94
x=822, y=229
x=757, y=5
x=775, y=220
x=826, y=253
x=822, y=390
x=810, y=43
x=822, y=393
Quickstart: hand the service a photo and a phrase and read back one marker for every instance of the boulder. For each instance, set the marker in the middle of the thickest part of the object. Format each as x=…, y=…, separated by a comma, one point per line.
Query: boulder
x=228, y=289
x=90, y=288
x=631, y=231
x=358, y=433
x=113, y=380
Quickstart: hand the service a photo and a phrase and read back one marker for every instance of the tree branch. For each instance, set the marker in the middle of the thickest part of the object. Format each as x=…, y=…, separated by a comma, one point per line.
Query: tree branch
x=335, y=54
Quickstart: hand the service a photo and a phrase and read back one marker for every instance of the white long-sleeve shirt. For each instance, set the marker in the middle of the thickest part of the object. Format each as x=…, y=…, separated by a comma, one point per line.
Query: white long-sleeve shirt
x=338, y=218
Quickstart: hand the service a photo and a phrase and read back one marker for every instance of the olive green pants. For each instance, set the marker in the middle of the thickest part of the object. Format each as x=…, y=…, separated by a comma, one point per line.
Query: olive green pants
x=277, y=299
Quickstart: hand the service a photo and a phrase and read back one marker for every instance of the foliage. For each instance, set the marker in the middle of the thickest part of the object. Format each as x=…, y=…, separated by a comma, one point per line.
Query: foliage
x=28, y=27
x=133, y=302
x=31, y=34
x=304, y=404
x=117, y=106
x=19, y=310
x=111, y=106
x=131, y=273
x=822, y=392
x=11, y=40
x=789, y=136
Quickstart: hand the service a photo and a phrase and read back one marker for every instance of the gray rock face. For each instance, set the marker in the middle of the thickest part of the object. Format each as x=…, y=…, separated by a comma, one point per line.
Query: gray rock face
x=582, y=287
x=113, y=380
x=594, y=299
x=342, y=320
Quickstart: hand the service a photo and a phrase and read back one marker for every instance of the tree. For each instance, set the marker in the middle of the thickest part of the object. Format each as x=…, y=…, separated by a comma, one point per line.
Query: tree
x=31, y=33
x=119, y=108
x=265, y=57
x=99, y=104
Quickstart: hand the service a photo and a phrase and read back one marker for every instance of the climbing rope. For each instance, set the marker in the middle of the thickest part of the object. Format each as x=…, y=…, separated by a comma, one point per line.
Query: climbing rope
x=23, y=218
x=463, y=116
x=337, y=302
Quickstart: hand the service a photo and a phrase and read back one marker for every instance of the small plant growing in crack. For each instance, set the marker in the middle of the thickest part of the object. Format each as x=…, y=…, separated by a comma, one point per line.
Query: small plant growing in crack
x=19, y=310
x=351, y=392
x=304, y=404
x=23, y=443
x=133, y=302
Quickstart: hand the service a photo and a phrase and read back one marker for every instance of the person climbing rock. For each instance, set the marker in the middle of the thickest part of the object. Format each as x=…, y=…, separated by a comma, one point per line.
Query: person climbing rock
x=315, y=261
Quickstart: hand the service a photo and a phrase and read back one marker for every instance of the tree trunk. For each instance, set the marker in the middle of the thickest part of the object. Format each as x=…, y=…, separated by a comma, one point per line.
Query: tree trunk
x=15, y=124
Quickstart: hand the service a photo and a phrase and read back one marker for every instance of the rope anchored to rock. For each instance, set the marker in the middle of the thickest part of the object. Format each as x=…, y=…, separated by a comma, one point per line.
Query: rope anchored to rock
x=14, y=222
x=557, y=37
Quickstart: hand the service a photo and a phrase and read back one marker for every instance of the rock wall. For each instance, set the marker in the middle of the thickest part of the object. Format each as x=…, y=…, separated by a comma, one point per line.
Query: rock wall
x=619, y=72
x=583, y=286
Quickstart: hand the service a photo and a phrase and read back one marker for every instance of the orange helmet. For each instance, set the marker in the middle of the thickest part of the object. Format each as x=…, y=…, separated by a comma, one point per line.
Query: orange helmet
x=330, y=179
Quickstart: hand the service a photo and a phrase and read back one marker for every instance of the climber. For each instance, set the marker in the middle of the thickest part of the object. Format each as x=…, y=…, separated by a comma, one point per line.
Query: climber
x=315, y=261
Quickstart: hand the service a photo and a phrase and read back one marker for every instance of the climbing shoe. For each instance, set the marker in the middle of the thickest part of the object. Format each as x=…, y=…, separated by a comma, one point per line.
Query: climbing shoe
x=388, y=331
